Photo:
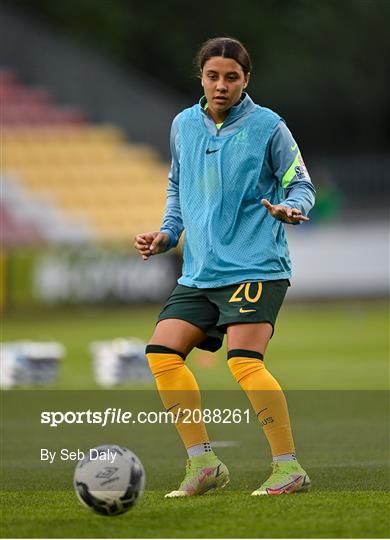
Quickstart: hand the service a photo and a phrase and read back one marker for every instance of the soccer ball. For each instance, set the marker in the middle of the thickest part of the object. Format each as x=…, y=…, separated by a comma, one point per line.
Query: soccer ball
x=109, y=480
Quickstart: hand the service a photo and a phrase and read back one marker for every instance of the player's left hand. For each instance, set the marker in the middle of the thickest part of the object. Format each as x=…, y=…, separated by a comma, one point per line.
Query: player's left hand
x=284, y=213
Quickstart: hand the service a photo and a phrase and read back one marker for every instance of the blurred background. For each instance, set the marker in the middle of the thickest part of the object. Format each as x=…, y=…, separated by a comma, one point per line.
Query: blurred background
x=88, y=91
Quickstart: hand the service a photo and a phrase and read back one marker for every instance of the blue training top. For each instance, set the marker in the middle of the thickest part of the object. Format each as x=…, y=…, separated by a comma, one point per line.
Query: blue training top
x=216, y=182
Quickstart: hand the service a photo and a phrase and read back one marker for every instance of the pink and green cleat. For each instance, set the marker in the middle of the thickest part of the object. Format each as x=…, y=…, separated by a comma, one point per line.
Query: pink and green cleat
x=203, y=473
x=287, y=477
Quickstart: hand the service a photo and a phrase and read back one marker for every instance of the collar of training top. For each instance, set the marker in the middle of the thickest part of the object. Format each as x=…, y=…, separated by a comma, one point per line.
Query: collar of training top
x=243, y=107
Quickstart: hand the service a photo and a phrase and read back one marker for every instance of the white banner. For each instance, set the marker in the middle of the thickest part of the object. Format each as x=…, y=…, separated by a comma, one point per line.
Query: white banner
x=97, y=276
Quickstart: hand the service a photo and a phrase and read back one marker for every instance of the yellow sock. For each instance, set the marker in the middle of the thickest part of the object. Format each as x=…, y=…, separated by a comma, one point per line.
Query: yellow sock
x=178, y=388
x=266, y=397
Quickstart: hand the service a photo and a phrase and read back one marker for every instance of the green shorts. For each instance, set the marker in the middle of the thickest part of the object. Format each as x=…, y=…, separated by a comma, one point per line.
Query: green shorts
x=213, y=310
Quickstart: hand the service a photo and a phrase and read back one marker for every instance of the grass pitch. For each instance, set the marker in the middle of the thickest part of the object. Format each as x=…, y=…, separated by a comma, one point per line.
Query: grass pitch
x=339, y=350
x=341, y=345
x=220, y=515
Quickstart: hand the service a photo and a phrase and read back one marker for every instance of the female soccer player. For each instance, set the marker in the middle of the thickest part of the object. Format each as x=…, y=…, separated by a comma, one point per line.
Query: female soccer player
x=237, y=176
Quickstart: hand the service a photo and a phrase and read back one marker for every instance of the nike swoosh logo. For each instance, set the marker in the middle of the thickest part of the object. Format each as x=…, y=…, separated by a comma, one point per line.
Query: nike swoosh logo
x=294, y=147
x=218, y=473
x=262, y=410
x=284, y=489
x=242, y=310
x=208, y=151
x=173, y=406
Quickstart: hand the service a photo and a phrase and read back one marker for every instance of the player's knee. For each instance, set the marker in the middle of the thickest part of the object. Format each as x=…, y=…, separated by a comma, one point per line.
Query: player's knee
x=243, y=362
x=162, y=359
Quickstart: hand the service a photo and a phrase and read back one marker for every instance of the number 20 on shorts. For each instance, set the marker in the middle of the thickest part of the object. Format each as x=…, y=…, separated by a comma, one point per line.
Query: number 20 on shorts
x=247, y=292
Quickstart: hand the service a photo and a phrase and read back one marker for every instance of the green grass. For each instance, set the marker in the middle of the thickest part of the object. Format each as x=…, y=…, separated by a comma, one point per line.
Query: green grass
x=221, y=515
x=332, y=356
x=341, y=345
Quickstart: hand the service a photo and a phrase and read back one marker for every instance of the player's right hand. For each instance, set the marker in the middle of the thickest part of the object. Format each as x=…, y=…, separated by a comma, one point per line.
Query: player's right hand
x=151, y=243
x=284, y=213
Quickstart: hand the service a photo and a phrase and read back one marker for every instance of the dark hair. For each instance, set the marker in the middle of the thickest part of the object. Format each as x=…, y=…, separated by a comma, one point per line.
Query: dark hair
x=228, y=48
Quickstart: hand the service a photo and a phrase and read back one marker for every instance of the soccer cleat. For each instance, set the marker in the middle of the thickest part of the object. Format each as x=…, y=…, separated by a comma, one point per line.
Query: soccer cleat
x=286, y=477
x=203, y=473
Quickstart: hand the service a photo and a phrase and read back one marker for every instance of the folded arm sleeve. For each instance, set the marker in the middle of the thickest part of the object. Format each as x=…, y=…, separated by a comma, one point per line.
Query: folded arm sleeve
x=290, y=170
x=172, y=222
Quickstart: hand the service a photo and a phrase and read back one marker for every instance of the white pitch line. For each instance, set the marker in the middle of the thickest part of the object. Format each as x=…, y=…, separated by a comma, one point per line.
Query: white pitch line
x=224, y=444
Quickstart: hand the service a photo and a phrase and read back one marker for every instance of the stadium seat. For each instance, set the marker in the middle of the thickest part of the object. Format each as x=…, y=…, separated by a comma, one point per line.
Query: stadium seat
x=86, y=172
